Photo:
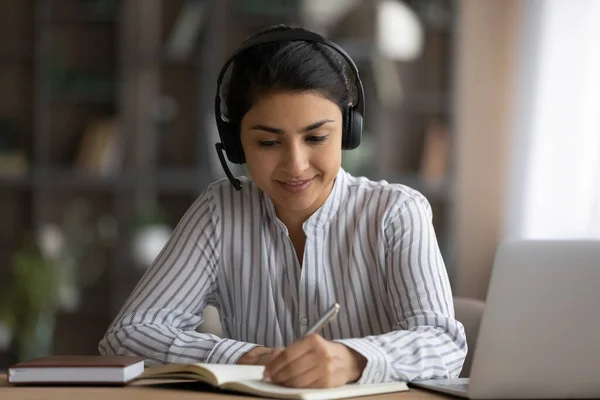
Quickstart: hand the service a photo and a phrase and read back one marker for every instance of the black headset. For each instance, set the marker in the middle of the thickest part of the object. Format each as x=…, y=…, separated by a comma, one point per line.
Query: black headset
x=230, y=137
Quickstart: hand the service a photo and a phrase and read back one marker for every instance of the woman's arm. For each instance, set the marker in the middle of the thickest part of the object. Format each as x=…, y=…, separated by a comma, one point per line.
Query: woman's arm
x=427, y=342
x=160, y=317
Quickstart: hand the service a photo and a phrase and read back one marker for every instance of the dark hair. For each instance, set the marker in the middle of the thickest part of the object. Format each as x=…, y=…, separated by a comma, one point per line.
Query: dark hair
x=287, y=65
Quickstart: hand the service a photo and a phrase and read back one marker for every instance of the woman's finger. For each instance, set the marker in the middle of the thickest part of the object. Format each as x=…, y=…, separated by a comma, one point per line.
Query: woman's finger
x=290, y=355
x=295, y=369
x=310, y=378
x=266, y=357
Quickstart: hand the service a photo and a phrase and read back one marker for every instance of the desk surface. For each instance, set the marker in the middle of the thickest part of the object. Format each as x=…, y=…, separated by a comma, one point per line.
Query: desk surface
x=158, y=390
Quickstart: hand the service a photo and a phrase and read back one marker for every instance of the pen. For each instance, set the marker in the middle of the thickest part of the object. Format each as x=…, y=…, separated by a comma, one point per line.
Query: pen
x=324, y=320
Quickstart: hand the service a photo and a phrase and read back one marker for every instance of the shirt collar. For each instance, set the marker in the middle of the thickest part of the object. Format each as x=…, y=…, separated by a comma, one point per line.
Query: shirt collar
x=326, y=212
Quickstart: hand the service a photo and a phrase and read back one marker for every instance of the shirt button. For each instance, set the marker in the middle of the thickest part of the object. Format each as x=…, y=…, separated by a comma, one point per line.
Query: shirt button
x=303, y=320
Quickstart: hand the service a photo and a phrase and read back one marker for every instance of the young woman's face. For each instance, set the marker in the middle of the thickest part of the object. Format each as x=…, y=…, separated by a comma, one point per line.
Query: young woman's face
x=293, y=147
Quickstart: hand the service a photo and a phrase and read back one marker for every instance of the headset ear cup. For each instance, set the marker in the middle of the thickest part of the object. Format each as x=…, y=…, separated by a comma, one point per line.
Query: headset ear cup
x=231, y=143
x=355, y=130
x=237, y=138
x=346, y=128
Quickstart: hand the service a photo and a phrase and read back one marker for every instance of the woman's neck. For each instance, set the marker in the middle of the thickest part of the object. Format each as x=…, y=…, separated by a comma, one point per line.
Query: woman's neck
x=293, y=221
x=294, y=224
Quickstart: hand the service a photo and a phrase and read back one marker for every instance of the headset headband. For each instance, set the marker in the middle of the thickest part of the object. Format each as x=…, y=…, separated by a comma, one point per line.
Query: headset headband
x=293, y=34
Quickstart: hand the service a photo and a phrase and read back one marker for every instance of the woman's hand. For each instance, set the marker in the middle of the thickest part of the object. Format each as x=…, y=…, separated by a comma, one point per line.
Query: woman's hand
x=256, y=356
x=314, y=362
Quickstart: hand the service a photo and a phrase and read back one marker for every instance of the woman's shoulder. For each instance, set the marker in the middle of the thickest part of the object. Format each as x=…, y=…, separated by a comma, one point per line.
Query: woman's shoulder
x=222, y=192
x=391, y=194
x=384, y=201
x=223, y=187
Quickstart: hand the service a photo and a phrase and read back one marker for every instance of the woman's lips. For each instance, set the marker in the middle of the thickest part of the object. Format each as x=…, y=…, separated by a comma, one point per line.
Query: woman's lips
x=295, y=186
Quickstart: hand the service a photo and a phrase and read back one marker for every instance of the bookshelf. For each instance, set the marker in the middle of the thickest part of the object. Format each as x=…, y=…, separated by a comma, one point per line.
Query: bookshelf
x=67, y=63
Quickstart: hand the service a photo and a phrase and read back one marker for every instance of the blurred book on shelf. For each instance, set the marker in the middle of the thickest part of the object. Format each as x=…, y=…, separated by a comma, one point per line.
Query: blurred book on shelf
x=13, y=164
x=13, y=161
x=100, y=151
x=436, y=153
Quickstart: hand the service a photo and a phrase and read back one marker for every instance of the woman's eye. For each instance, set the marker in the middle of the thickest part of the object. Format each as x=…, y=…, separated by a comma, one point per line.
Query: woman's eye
x=317, y=139
x=267, y=143
x=271, y=143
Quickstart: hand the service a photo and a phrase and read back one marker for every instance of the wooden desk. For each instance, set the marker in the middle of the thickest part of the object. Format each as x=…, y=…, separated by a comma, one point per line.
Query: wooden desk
x=158, y=390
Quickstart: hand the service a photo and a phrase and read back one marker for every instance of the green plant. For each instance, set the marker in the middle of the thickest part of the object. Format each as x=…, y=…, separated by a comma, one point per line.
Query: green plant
x=27, y=307
x=47, y=278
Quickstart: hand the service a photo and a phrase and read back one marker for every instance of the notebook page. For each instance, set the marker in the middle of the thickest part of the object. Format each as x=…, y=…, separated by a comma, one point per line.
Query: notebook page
x=233, y=372
x=266, y=389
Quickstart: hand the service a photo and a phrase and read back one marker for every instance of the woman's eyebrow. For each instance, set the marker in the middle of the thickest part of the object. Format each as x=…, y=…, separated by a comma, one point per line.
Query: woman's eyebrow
x=316, y=125
x=267, y=129
x=308, y=128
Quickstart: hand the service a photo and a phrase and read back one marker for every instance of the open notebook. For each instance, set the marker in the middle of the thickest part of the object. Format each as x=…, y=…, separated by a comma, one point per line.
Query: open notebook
x=248, y=379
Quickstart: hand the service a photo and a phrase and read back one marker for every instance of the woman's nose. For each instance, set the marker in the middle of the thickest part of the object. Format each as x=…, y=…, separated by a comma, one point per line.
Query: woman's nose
x=294, y=160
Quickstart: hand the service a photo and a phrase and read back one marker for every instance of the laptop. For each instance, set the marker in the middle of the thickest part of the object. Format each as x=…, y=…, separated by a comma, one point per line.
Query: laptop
x=540, y=332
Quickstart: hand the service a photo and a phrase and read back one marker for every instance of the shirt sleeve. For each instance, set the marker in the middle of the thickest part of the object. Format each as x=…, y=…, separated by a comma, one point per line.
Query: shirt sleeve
x=159, y=319
x=426, y=342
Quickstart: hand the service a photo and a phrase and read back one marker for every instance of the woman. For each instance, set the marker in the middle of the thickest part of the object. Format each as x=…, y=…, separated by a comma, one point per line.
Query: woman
x=298, y=236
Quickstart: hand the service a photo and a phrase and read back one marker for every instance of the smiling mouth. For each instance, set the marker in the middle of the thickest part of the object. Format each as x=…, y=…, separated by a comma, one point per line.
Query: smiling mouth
x=295, y=182
x=296, y=186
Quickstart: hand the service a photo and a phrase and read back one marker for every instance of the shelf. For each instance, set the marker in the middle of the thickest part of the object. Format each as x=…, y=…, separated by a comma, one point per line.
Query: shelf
x=163, y=59
x=182, y=180
x=179, y=64
x=84, y=98
x=15, y=182
x=75, y=17
x=56, y=178
x=15, y=54
x=171, y=180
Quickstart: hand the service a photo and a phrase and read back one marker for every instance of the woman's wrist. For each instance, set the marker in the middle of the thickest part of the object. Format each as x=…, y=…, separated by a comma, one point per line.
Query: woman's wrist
x=357, y=364
x=256, y=356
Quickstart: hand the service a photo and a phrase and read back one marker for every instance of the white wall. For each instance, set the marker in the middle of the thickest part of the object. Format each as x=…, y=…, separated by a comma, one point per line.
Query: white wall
x=555, y=178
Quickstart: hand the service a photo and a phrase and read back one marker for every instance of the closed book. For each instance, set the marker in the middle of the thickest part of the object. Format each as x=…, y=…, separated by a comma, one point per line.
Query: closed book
x=77, y=370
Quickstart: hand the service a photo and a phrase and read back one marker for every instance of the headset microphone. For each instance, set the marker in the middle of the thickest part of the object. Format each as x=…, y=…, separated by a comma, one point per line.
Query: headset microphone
x=235, y=182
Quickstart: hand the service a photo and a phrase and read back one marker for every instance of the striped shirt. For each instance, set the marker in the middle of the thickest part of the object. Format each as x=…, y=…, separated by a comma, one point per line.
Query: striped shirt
x=371, y=247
